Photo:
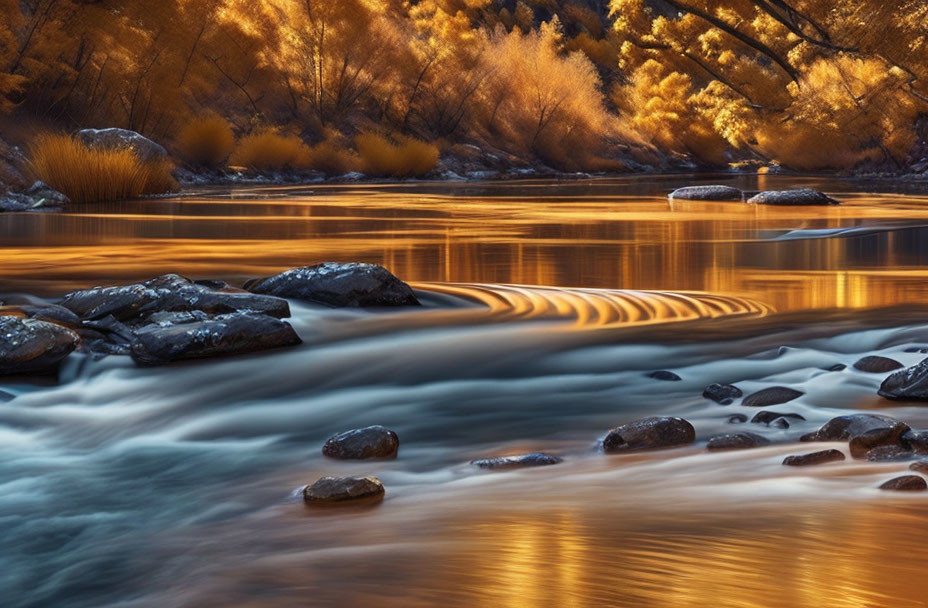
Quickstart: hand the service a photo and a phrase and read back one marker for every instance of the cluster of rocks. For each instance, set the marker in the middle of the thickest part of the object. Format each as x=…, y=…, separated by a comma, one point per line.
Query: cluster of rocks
x=17, y=192
x=172, y=318
x=794, y=197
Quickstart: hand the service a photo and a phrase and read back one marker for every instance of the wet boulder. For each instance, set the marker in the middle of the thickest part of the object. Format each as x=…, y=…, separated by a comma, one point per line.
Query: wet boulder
x=122, y=139
x=774, y=395
x=650, y=433
x=909, y=384
x=168, y=293
x=877, y=437
x=50, y=313
x=905, y=483
x=533, y=459
x=31, y=346
x=736, y=441
x=707, y=193
x=846, y=428
x=813, y=458
x=737, y=419
x=889, y=453
x=335, y=490
x=877, y=365
x=723, y=394
x=919, y=465
x=360, y=444
x=800, y=196
x=220, y=336
x=338, y=285
x=767, y=417
x=917, y=441
x=664, y=375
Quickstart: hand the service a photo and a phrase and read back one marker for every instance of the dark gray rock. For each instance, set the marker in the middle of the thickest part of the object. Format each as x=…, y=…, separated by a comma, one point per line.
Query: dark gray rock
x=812, y=458
x=889, y=453
x=533, y=459
x=224, y=335
x=5, y=396
x=774, y=395
x=905, y=483
x=737, y=419
x=917, y=349
x=846, y=428
x=767, y=417
x=736, y=441
x=877, y=365
x=167, y=293
x=122, y=139
x=707, y=193
x=30, y=346
x=801, y=196
x=910, y=384
x=917, y=441
x=334, y=490
x=45, y=196
x=51, y=313
x=359, y=444
x=837, y=367
x=664, y=375
x=338, y=285
x=650, y=433
x=877, y=437
x=723, y=394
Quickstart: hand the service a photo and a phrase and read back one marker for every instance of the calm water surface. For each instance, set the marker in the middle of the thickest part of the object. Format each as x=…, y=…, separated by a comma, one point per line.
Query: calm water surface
x=546, y=305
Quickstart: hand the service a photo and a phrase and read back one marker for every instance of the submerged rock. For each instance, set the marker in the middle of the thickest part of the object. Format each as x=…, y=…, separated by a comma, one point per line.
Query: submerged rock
x=845, y=428
x=533, y=459
x=861, y=444
x=767, y=417
x=359, y=444
x=917, y=441
x=910, y=384
x=31, y=346
x=707, y=193
x=338, y=285
x=774, y=395
x=905, y=483
x=122, y=139
x=921, y=466
x=650, y=433
x=233, y=334
x=736, y=441
x=723, y=394
x=737, y=419
x=877, y=365
x=333, y=490
x=801, y=196
x=664, y=375
x=889, y=453
x=837, y=367
x=812, y=458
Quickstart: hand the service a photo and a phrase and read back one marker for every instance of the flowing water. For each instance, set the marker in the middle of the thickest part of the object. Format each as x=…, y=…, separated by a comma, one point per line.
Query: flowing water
x=545, y=306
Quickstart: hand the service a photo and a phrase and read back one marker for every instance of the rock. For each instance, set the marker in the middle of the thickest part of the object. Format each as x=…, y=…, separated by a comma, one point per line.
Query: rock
x=811, y=458
x=774, y=395
x=168, y=293
x=5, y=396
x=917, y=441
x=664, y=375
x=837, y=367
x=737, y=419
x=877, y=365
x=707, y=193
x=767, y=417
x=877, y=437
x=801, y=196
x=889, y=453
x=333, y=490
x=650, y=433
x=224, y=335
x=723, y=394
x=46, y=196
x=338, y=285
x=906, y=483
x=736, y=441
x=917, y=349
x=533, y=459
x=846, y=428
x=360, y=444
x=122, y=139
x=920, y=465
x=910, y=384
x=31, y=346
x=51, y=313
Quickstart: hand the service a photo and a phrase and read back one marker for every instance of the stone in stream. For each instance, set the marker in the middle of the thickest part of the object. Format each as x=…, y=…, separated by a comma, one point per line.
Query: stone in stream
x=664, y=375
x=30, y=346
x=910, y=384
x=122, y=139
x=917, y=349
x=812, y=458
x=533, y=459
x=736, y=441
x=650, y=433
x=337, y=490
x=775, y=395
x=168, y=293
x=905, y=483
x=919, y=465
x=338, y=285
x=877, y=437
x=224, y=335
x=737, y=419
x=723, y=394
x=917, y=441
x=359, y=444
x=800, y=196
x=889, y=453
x=768, y=417
x=837, y=367
x=846, y=428
x=877, y=365
x=5, y=396
x=50, y=313
x=707, y=193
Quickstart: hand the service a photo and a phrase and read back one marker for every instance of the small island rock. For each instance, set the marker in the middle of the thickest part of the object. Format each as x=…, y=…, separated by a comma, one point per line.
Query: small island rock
x=334, y=490
x=707, y=193
x=905, y=483
x=736, y=441
x=909, y=384
x=723, y=394
x=360, y=444
x=774, y=395
x=664, y=375
x=877, y=365
x=533, y=459
x=32, y=346
x=800, y=196
x=650, y=433
x=812, y=458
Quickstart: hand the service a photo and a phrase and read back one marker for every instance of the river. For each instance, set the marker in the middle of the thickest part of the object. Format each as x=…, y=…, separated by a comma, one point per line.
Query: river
x=546, y=304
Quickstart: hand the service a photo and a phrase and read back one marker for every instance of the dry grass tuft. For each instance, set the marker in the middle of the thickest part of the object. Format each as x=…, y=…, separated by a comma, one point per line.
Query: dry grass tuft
x=270, y=151
x=407, y=157
x=206, y=141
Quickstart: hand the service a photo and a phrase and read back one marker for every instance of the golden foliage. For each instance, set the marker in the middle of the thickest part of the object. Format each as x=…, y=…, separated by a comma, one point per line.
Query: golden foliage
x=407, y=157
x=268, y=150
x=333, y=157
x=206, y=141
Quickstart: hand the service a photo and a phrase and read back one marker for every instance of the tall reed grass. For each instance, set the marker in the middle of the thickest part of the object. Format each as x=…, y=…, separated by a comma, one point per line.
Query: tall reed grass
x=205, y=141
x=268, y=150
x=408, y=157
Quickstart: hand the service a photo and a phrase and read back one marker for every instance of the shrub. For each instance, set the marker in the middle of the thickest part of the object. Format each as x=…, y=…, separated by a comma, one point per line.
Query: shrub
x=408, y=157
x=333, y=158
x=206, y=141
x=268, y=150
x=88, y=175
